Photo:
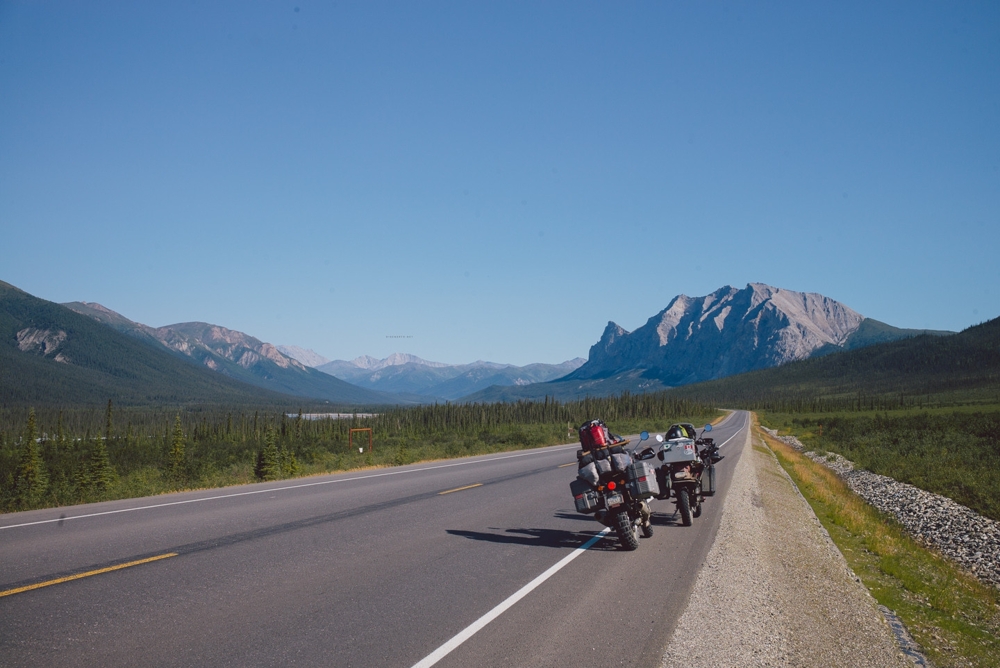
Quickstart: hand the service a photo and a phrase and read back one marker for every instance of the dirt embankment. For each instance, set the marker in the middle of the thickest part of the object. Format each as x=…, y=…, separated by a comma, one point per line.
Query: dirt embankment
x=775, y=590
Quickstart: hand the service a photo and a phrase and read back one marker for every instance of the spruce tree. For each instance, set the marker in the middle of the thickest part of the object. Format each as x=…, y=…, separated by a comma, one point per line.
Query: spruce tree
x=178, y=462
x=289, y=465
x=102, y=474
x=268, y=465
x=30, y=478
x=108, y=427
x=81, y=478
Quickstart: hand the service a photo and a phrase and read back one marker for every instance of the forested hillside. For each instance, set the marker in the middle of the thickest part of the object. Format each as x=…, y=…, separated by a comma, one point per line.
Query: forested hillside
x=959, y=368
x=238, y=356
x=51, y=356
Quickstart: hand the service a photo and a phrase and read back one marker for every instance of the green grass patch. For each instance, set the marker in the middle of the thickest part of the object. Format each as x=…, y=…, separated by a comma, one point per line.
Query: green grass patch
x=953, y=451
x=954, y=617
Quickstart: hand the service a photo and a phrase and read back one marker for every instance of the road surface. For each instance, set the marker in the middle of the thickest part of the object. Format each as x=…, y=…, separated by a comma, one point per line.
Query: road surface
x=370, y=568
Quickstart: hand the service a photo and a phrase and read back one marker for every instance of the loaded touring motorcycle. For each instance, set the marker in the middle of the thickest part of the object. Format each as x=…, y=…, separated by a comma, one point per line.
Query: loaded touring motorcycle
x=612, y=486
x=687, y=472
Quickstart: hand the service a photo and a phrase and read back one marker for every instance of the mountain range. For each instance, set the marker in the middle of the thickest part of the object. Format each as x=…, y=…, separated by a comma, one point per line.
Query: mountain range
x=961, y=368
x=53, y=353
x=307, y=357
x=410, y=374
x=398, y=379
x=728, y=332
x=238, y=356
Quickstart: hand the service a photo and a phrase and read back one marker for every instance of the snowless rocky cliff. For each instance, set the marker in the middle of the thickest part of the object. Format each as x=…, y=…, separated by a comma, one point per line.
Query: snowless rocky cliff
x=727, y=332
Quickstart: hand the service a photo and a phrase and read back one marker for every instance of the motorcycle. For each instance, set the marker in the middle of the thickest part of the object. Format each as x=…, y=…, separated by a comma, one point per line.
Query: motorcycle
x=687, y=472
x=613, y=487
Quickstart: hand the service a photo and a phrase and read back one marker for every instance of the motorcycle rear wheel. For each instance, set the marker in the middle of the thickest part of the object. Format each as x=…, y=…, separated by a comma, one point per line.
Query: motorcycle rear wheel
x=684, y=505
x=626, y=531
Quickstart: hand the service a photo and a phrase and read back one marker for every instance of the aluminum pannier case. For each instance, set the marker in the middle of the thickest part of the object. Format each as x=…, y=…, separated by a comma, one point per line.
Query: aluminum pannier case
x=678, y=450
x=642, y=481
x=586, y=498
x=708, y=481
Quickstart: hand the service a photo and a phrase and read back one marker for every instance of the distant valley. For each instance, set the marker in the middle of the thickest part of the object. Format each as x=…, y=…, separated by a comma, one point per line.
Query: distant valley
x=288, y=371
x=408, y=374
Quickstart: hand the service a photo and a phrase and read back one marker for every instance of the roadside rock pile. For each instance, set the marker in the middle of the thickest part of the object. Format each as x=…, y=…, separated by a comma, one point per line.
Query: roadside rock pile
x=958, y=532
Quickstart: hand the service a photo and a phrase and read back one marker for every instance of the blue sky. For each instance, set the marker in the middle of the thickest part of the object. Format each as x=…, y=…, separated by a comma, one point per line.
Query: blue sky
x=497, y=181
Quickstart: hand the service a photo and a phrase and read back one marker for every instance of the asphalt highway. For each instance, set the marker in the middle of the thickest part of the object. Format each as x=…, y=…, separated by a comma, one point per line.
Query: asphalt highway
x=373, y=568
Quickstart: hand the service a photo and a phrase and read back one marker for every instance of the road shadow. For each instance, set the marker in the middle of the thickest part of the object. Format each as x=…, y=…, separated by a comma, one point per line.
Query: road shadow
x=665, y=519
x=552, y=538
x=575, y=516
x=658, y=518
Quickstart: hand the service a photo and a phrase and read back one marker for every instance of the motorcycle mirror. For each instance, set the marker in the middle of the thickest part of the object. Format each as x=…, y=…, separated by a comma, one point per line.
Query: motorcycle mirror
x=643, y=436
x=708, y=427
x=659, y=438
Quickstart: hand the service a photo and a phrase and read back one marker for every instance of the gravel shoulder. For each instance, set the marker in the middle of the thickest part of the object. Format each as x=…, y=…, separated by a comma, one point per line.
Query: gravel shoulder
x=774, y=589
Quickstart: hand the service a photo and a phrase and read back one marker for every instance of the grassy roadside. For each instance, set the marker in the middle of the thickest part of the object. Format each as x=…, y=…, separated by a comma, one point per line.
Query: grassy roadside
x=953, y=452
x=954, y=617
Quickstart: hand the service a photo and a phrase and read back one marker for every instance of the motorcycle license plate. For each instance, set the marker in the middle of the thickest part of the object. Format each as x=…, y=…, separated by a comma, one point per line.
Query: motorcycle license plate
x=613, y=500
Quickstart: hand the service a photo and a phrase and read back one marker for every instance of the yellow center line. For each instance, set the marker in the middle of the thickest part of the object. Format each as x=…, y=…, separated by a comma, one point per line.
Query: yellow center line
x=118, y=567
x=459, y=489
x=562, y=466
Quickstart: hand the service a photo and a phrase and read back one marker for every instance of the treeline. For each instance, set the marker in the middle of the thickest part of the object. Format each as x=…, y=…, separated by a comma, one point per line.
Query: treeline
x=54, y=457
x=811, y=402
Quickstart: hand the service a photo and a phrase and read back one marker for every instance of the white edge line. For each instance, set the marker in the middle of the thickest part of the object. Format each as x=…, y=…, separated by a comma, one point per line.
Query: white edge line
x=281, y=489
x=738, y=432
x=477, y=625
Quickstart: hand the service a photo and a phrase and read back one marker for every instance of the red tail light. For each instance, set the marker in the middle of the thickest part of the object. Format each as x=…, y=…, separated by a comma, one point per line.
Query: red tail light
x=612, y=485
x=642, y=479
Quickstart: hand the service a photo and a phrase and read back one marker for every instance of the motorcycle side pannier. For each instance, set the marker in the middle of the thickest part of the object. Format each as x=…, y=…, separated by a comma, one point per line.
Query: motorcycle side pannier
x=641, y=480
x=708, y=480
x=587, y=500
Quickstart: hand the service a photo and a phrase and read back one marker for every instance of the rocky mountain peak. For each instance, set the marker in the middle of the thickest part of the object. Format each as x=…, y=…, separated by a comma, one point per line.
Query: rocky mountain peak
x=395, y=359
x=245, y=350
x=310, y=358
x=728, y=331
x=612, y=333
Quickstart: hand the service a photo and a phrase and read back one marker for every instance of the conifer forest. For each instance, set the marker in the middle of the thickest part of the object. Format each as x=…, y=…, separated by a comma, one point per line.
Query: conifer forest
x=54, y=457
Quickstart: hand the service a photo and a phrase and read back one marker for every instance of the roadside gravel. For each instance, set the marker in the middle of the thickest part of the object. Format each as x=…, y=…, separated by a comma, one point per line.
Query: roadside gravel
x=774, y=589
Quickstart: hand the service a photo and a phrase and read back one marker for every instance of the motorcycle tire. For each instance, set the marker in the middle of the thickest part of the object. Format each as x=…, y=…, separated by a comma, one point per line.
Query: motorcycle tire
x=684, y=505
x=697, y=510
x=647, y=530
x=626, y=532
